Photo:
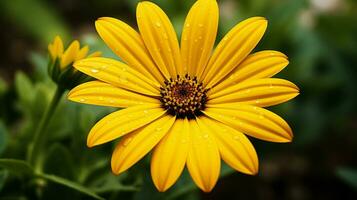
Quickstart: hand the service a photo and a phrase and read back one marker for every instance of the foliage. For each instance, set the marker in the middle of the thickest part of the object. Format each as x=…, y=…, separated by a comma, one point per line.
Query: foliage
x=322, y=48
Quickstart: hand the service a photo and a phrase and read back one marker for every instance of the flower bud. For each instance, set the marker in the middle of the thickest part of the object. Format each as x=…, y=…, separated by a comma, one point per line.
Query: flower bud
x=60, y=67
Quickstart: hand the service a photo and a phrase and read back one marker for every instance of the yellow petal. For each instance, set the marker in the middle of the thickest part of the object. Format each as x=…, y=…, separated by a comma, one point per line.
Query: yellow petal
x=198, y=36
x=95, y=54
x=70, y=54
x=128, y=45
x=52, y=51
x=170, y=155
x=122, y=122
x=82, y=53
x=104, y=94
x=234, y=147
x=203, y=161
x=258, y=92
x=263, y=64
x=56, y=48
x=137, y=144
x=233, y=49
x=117, y=74
x=251, y=120
x=159, y=37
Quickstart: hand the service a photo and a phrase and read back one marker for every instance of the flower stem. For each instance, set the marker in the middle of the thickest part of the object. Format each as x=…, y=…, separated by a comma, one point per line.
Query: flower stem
x=35, y=156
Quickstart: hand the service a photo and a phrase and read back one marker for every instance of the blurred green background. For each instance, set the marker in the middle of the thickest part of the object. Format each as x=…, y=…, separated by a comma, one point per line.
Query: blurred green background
x=319, y=36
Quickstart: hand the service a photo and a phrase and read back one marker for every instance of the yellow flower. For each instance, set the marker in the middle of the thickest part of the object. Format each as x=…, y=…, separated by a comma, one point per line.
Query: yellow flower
x=188, y=106
x=60, y=65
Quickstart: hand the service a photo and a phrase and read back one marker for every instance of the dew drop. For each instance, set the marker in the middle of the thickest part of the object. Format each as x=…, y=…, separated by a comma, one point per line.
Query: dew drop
x=158, y=24
x=123, y=79
x=225, y=38
x=146, y=112
x=188, y=25
x=94, y=70
x=261, y=116
x=127, y=141
x=205, y=136
x=257, y=101
x=236, y=137
x=82, y=100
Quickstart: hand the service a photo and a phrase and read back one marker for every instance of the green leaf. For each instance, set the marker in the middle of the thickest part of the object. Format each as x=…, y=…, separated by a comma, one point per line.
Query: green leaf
x=3, y=177
x=18, y=167
x=23, y=88
x=3, y=137
x=348, y=175
x=40, y=62
x=3, y=86
x=108, y=183
x=59, y=161
x=70, y=184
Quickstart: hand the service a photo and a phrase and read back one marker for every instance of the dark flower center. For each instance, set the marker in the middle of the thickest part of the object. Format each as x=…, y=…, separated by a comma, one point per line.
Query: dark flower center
x=183, y=97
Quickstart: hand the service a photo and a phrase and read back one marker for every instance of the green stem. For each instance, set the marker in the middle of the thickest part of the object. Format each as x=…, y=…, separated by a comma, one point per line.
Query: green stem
x=35, y=156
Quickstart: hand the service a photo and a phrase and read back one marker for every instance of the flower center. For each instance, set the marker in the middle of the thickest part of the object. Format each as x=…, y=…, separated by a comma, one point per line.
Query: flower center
x=183, y=96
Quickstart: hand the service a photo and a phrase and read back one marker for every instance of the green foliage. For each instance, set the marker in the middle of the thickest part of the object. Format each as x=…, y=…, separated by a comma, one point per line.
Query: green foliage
x=35, y=17
x=349, y=176
x=70, y=184
x=321, y=46
x=18, y=167
x=3, y=137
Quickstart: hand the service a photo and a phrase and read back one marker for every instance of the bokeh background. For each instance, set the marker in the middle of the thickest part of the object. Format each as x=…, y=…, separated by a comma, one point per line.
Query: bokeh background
x=319, y=36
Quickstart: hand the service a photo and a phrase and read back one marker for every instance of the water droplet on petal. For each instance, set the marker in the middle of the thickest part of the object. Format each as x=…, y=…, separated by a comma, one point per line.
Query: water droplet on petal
x=94, y=70
x=205, y=136
x=127, y=141
x=123, y=79
x=188, y=25
x=82, y=100
x=158, y=24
